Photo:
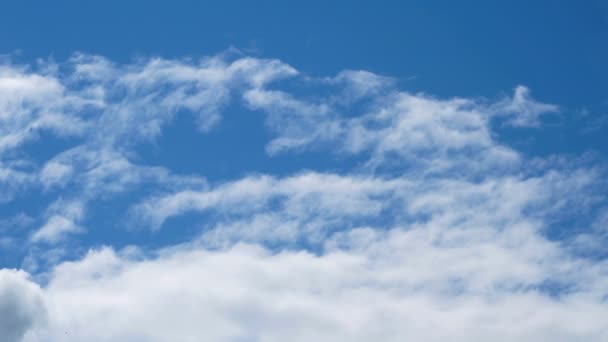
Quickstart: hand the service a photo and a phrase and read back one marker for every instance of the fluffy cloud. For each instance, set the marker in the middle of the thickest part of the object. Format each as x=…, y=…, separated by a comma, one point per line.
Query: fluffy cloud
x=393, y=284
x=21, y=305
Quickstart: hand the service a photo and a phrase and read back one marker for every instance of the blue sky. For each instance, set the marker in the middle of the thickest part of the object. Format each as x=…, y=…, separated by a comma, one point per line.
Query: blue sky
x=260, y=172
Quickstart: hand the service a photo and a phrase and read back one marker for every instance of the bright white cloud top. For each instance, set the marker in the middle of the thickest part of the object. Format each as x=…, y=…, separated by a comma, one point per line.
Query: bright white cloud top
x=437, y=231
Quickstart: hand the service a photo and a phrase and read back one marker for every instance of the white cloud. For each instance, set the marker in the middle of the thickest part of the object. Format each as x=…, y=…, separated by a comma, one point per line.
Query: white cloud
x=302, y=196
x=30, y=103
x=523, y=110
x=55, y=173
x=361, y=83
x=299, y=123
x=12, y=180
x=444, y=134
x=55, y=229
x=21, y=305
x=399, y=283
x=440, y=134
x=309, y=206
x=62, y=217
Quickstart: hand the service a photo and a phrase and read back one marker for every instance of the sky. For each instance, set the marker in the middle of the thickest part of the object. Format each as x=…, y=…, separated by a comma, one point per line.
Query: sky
x=271, y=171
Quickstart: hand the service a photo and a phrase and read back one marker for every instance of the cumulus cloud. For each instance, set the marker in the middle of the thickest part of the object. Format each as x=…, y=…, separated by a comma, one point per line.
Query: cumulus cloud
x=392, y=284
x=21, y=305
x=437, y=231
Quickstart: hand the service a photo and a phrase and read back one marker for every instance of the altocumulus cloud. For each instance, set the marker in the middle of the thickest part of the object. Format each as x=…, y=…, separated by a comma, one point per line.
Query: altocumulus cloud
x=439, y=230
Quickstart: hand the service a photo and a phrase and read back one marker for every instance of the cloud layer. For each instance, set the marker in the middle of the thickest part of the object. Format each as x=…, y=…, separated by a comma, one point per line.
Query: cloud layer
x=435, y=228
